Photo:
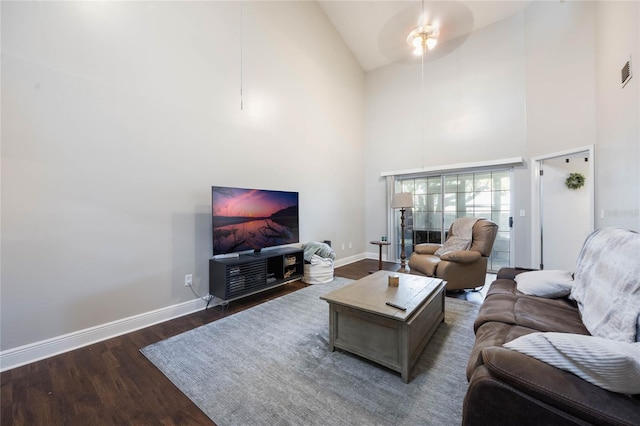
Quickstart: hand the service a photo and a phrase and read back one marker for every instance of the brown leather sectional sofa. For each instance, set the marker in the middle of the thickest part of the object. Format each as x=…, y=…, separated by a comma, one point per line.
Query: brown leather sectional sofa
x=509, y=388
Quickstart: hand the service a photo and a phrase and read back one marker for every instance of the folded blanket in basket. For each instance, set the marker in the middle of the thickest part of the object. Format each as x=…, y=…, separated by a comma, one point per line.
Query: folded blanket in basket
x=321, y=249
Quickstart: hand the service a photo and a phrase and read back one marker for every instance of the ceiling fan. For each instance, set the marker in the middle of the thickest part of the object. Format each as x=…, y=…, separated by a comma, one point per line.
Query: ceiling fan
x=424, y=37
x=410, y=35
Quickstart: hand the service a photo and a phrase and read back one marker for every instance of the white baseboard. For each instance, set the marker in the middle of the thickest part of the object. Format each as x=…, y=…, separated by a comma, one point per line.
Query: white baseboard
x=374, y=256
x=348, y=260
x=16, y=357
x=22, y=355
x=361, y=256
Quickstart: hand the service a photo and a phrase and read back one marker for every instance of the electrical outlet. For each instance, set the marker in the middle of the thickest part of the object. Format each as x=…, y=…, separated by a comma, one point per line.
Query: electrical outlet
x=342, y=246
x=188, y=280
x=350, y=245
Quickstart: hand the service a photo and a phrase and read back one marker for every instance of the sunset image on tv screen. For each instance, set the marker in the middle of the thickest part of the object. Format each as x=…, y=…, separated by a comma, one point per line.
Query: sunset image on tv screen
x=252, y=219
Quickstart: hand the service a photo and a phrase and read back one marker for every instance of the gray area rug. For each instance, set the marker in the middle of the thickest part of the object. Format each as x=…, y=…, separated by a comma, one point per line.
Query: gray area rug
x=270, y=365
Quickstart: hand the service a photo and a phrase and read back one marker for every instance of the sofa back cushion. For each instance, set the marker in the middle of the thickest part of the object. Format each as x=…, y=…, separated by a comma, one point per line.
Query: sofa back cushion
x=607, y=284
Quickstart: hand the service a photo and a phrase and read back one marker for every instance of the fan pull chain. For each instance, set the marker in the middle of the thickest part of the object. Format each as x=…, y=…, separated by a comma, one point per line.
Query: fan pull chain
x=241, y=51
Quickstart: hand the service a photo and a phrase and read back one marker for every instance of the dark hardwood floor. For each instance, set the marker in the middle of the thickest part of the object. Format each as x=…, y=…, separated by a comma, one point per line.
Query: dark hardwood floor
x=112, y=383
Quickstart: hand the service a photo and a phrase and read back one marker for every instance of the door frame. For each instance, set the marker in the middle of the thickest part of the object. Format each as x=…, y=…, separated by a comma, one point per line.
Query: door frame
x=537, y=190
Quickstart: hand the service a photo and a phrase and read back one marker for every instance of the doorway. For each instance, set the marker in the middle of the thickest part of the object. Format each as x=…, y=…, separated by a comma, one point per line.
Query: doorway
x=565, y=215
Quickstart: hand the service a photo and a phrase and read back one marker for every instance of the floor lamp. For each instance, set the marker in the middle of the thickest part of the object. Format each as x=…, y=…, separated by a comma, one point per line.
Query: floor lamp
x=402, y=201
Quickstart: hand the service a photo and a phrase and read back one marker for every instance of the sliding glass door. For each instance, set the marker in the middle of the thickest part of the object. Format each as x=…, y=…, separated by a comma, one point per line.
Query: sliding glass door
x=439, y=200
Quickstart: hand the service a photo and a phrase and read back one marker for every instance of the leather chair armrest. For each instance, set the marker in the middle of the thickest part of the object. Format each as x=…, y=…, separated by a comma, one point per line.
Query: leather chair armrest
x=426, y=248
x=560, y=389
x=461, y=256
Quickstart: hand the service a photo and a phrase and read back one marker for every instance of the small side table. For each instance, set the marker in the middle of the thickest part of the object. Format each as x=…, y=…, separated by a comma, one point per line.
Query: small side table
x=380, y=244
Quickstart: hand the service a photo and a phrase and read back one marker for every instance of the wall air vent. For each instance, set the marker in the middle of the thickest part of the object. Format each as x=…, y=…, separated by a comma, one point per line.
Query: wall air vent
x=625, y=74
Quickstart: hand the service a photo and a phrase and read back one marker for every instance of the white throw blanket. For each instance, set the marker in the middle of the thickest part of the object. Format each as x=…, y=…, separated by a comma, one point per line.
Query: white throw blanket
x=607, y=284
x=321, y=249
x=461, y=235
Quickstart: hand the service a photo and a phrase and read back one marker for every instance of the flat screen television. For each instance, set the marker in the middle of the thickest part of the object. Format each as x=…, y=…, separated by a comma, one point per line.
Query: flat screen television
x=252, y=219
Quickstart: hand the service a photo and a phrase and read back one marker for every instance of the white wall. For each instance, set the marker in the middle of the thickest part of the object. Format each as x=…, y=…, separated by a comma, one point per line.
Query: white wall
x=117, y=117
x=537, y=83
x=472, y=106
x=560, y=76
x=618, y=116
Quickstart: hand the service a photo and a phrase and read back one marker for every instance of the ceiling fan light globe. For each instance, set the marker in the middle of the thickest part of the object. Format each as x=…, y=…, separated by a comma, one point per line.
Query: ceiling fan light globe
x=422, y=38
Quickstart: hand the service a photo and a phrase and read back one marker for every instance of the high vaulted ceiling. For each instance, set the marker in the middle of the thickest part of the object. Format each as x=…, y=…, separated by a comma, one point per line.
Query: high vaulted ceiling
x=376, y=31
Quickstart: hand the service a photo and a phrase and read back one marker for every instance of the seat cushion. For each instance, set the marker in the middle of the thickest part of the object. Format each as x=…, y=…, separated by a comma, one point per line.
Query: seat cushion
x=532, y=312
x=507, y=314
x=492, y=334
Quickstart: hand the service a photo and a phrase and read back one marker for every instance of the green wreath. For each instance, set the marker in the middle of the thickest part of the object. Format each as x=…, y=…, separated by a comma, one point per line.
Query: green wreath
x=574, y=181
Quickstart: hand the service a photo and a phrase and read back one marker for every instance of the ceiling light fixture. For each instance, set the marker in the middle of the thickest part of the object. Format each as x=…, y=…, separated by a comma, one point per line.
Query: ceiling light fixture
x=423, y=38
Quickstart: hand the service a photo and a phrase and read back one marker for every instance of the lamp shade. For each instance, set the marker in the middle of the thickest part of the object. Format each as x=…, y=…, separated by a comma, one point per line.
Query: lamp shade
x=402, y=200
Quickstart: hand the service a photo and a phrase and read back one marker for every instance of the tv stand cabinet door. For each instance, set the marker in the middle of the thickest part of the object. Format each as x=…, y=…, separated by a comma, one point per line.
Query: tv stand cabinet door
x=231, y=281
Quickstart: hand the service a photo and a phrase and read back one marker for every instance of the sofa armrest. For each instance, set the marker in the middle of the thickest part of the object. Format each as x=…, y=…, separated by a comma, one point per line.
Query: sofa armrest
x=560, y=389
x=461, y=256
x=510, y=273
x=426, y=248
x=490, y=401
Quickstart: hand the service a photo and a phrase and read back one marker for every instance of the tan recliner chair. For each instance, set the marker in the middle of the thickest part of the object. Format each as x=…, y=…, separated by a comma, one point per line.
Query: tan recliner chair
x=461, y=269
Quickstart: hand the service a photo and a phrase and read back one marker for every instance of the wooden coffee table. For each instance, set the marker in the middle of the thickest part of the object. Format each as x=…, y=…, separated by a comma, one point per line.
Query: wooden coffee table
x=362, y=323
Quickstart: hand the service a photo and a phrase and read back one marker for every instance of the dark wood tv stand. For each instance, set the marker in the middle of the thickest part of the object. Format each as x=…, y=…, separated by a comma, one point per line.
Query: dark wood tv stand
x=235, y=277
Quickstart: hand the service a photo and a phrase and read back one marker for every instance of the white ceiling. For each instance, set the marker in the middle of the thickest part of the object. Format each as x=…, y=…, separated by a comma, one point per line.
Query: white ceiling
x=376, y=31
